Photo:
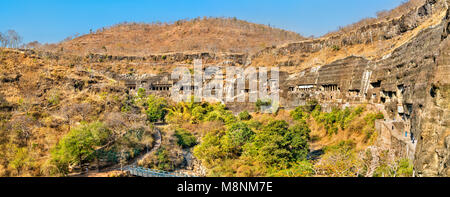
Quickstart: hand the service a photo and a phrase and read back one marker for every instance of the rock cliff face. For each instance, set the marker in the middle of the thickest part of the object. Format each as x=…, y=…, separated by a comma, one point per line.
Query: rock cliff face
x=372, y=41
x=433, y=119
x=411, y=83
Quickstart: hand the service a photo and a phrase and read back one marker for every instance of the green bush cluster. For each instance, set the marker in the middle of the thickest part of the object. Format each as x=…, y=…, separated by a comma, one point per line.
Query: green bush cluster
x=369, y=126
x=199, y=112
x=303, y=112
x=156, y=108
x=337, y=118
x=79, y=144
x=185, y=138
x=399, y=168
x=275, y=145
x=164, y=162
x=259, y=103
x=244, y=116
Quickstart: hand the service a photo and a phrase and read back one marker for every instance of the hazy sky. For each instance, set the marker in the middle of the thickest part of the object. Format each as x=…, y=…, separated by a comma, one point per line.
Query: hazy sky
x=54, y=20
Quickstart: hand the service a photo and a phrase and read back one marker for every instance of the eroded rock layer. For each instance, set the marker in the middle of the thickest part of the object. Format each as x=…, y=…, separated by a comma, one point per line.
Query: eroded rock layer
x=412, y=85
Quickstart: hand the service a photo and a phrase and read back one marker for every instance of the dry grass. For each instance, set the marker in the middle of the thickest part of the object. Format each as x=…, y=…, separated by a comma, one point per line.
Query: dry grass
x=383, y=15
x=322, y=139
x=200, y=34
x=354, y=132
x=46, y=106
x=372, y=50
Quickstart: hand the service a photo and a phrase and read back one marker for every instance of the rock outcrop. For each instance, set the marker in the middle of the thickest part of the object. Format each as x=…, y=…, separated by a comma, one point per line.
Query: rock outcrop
x=411, y=83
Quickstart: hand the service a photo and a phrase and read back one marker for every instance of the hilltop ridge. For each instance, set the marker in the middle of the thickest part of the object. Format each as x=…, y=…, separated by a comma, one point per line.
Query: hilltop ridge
x=372, y=39
x=199, y=34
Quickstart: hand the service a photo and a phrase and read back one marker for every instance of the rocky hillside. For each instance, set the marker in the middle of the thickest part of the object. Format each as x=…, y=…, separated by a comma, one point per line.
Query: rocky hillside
x=371, y=39
x=399, y=64
x=200, y=34
x=43, y=98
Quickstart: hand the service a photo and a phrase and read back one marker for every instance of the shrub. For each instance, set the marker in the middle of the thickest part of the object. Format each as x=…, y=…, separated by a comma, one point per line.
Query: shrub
x=127, y=103
x=299, y=169
x=369, y=128
x=185, y=138
x=297, y=137
x=405, y=168
x=335, y=48
x=21, y=160
x=255, y=125
x=199, y=112
x=337, y=118
x=219, y=113
x=299, y=114
x=141, y=93
x=53, y=98
x=245, y=115
x=259, y=103
x=310, y=106
x=157, y=108
x=163, y=160
x=339, y=160
x=210, y=151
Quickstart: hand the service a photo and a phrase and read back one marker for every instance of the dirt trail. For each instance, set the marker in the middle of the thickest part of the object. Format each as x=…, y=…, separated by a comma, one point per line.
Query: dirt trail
x=155, y=148
x=106, y=171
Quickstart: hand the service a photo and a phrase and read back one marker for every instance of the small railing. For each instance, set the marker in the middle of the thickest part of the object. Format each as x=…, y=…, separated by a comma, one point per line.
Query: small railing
x=145, y=172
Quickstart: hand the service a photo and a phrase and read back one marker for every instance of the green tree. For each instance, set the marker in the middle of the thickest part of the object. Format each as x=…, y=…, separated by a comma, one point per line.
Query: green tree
x=79, y=144
x=278, y=145
x=296, y=140
x=156, y=108
x=237, y=135
x=210, y=151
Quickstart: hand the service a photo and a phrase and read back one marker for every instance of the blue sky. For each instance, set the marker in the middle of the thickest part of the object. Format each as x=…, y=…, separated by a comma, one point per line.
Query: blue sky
x=53, y=20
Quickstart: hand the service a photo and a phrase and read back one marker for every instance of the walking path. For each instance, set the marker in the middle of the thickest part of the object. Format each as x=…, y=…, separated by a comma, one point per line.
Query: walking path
x=132, y=164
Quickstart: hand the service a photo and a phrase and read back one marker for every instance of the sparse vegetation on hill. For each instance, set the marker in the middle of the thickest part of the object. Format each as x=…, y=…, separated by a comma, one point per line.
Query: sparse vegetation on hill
x=371, y=38
x=78, y=116
x=199, y=34
x=63, y=112
x=48, y=106
x=10, y=39
x=383, y=15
